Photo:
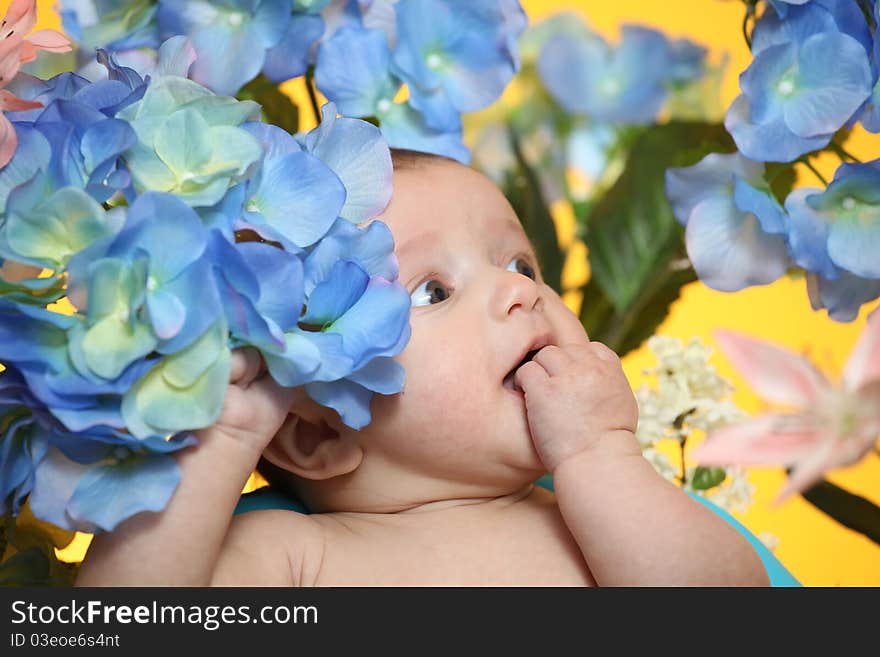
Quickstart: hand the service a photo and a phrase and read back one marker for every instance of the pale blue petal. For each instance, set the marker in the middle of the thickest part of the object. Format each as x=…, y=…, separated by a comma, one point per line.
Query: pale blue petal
x=350, y=400
x=729, y=250
x=290, y=58
x=280, y=274
x=771, y=142
x=334, y=296
x=830, y=89
x=404, y=127
x=297, y=364
x=383, y=375
x=352, y=71
x=108, y=494
x=299, y=196
x=854, y=243
x=843, y=296
x=761, y=203
x=808, y=234
x=356, y=152
x=710, y=177
x=374, y=325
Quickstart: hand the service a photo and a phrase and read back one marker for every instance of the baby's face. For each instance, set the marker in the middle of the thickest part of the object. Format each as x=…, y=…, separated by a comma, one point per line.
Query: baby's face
x=479, y=305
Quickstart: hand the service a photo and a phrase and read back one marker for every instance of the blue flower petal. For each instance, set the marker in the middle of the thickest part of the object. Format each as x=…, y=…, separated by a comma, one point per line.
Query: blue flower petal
x=830, y=89
x=352, y=71
x=770, y=142
x=356, y=152
x=334, y=296
x=350, y=400
x=761, y=203
x=290, y=58
x=377, y=323
x=280, y=275
x=300, y=360
x=729, y=250
x=808, y=234
x=404, y=127
x=299, y=197
x=383, y=375
x=372, y=248
x=710, y=177
x=106, y=495
x=843, y=296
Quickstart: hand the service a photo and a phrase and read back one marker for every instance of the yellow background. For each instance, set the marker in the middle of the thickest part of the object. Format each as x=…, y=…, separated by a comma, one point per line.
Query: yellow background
x=815, y=548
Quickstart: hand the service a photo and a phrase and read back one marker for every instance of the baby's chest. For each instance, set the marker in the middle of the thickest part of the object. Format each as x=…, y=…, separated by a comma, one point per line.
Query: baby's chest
x=532, y=551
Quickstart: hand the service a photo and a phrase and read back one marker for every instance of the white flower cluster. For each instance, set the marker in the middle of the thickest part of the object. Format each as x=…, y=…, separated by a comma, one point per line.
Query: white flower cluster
x=689, y=399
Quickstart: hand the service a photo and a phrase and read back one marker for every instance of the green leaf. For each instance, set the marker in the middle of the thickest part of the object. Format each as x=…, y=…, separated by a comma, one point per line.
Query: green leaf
x=706, y=478
x=850, y=510
x=278, y=109
x=635, y=245
x=28, y=552
x=523, y=191
x=782, y=177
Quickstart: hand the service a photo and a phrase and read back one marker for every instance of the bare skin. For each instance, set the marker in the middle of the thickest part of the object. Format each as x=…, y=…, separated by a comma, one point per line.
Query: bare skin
x=437, y=490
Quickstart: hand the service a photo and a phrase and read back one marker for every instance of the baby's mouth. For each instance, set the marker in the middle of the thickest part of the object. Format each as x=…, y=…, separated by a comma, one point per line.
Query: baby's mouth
x=508, y=381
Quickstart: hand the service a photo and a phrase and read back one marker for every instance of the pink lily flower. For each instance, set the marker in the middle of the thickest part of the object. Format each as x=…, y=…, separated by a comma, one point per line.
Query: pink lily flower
x=17, y=48
x=825, y=426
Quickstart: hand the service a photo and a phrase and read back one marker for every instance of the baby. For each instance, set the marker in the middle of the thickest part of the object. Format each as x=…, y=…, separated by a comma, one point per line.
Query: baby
x=502, y=386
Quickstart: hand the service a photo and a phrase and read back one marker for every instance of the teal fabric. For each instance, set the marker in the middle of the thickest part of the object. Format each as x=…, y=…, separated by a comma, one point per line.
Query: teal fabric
x=266, y=498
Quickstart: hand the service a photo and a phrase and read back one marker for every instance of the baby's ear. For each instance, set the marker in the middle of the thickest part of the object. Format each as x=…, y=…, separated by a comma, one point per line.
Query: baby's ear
x=313, y=450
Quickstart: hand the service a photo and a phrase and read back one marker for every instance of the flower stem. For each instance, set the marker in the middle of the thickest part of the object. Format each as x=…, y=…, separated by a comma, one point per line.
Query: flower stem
x=313, y=98
x=842, y=153
x=750, y=15
x=806, y=162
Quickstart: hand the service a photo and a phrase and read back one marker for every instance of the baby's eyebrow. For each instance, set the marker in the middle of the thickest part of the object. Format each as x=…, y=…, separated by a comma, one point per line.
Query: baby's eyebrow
x=417, y=243
x=420, y=241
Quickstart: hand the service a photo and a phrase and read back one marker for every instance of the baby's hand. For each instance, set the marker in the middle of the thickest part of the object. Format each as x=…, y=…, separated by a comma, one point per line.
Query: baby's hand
x=577, y=397
x=255, y=405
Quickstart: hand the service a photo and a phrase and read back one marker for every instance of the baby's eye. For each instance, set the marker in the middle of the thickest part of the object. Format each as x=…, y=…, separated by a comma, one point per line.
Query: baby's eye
x=522, y=266
x=429, y=293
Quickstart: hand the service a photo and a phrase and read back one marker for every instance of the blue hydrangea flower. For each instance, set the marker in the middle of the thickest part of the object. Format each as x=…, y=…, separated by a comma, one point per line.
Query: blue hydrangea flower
x=781, y=6
x=734, y=226
x=230, y=37
x=294, y=197
x=795, y=97
x=35, y=342
x=147, y=287
x=838, y=228
x=359, y=156
x=78, y=121
x=78, y=480
x=189, y=142
x=91, y=482
x=290, y=57
x=843, y=296
x=456, y=56
x=22, y=447
x=111, y=24
x=262, y=292
x=357, y=316
x=870, y=117
x=353, y=71
x=45, y=228
x=622, y=85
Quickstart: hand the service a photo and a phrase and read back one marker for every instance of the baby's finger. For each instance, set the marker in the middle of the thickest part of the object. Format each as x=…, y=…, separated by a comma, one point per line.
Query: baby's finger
x=604, y=352
x=247, y=365
x=568, y=327
x=553, y=359
x=530, y=377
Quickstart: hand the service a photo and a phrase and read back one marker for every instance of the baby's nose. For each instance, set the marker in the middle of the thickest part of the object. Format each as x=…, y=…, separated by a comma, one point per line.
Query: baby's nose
x=517, y=292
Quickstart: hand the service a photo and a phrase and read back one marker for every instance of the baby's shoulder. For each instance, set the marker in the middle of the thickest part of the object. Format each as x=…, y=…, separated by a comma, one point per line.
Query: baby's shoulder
x=272, y=547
